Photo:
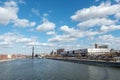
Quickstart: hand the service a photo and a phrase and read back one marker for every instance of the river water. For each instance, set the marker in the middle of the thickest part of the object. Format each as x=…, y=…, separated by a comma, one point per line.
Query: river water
x=45, y=69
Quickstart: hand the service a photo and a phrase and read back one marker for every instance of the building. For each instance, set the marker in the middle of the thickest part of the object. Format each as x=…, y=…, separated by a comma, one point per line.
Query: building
x=3, y=57
x=84, y=52
x=60, y=50
x=100, y=46
x=74, y=53
x=97, y=51
x=103, y=46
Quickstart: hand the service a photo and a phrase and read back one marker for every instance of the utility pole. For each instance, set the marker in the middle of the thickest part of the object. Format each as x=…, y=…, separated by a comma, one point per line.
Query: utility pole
x=33, y=52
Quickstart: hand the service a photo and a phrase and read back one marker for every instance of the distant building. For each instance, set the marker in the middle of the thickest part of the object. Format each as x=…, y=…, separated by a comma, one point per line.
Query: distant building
x=3, y=57
x=74, y=53
x=97, y=51
x=103, y=46
x=60, y=50
x=84, y=52
x=96, y=45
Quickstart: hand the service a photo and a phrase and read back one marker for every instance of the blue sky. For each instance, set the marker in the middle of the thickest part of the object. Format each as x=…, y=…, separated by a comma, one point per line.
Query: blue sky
x=52, y=24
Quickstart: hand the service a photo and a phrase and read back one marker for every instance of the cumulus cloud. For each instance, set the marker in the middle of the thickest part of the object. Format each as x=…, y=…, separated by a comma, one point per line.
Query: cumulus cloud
x=46, y=26
x=110, y=39
x=96, y=22
x=33, y=44
x=9, y=13
x=24, y=40
x=4, y=43
x=62, y=38
x=79, y=33
x=51, y=33
x=117, y=15
x=45, y=14
x=40, y=44
x=67, y=29
x=71, y=34
x=11, y=38
x=110, y=28
x=106, y=16
x=36, y=11
x=103, y=10
x=23, y=23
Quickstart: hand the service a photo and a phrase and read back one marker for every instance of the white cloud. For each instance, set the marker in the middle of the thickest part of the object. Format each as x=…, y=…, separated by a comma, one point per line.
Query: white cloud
x=9, y=15
x=51, y=33
x=11, y=38
x=117, y=1
x=8, y=37
x=110, y=28
x=47, y=44
x=96, y=0
x=33, y=43
x=24, y=40
x=23, y=23
x=67, y=29
x=78, y=33
x=45, y=14
x=21, y=1
x=111, y=40
x=5, y=43
x=8, y=12
x=62, y=38
x=46, y=26
x=96, y=22
x=103, y=10
x=72, y=34
x=40, y=44
x=36, y=11
x=117, y=15
x=107, y=37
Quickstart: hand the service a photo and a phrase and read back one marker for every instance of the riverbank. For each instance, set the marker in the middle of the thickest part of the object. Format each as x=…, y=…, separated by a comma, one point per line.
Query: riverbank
x=6, y=60
x=89, y=62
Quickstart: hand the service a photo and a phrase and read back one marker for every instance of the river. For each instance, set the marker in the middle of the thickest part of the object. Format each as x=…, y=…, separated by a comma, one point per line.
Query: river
x=45, y=69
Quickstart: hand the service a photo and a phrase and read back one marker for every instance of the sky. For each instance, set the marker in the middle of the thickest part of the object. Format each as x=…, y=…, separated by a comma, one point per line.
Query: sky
x=52, y=24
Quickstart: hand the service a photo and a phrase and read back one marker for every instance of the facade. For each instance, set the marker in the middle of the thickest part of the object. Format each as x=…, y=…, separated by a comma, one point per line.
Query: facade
x=74, y=53
x=83, y=52
x=3, y=57
x=103, y=46
x=97, y=51
x=60, y=50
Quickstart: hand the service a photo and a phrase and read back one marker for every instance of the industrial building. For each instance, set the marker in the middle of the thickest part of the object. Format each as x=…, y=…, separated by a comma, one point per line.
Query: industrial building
x=98, y=50
x=60, y=50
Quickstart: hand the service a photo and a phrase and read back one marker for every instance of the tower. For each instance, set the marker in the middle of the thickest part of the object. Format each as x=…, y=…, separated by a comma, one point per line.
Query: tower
x=96, y=45
x=33, y=52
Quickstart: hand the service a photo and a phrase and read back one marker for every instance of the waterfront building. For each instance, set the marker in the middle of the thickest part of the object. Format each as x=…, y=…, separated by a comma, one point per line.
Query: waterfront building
x=3, y=57
x=74, y=53
x=60, y=50
x=84, y=52
x=97, y=51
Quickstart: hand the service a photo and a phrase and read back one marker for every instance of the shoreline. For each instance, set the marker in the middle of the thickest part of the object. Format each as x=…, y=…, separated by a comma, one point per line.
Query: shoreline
x=6, y=60
x=90, y=62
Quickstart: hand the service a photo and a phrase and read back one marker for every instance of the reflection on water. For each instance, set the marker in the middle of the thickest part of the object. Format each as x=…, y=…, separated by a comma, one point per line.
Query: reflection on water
x=44, y=69
x=103, y=73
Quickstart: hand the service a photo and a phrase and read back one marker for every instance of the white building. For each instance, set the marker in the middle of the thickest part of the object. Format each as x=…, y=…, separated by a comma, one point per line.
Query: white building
x=88, y=51
x=97, y=51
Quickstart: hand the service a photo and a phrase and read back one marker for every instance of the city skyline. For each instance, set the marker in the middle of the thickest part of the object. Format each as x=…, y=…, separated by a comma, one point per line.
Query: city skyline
x=49, y=25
